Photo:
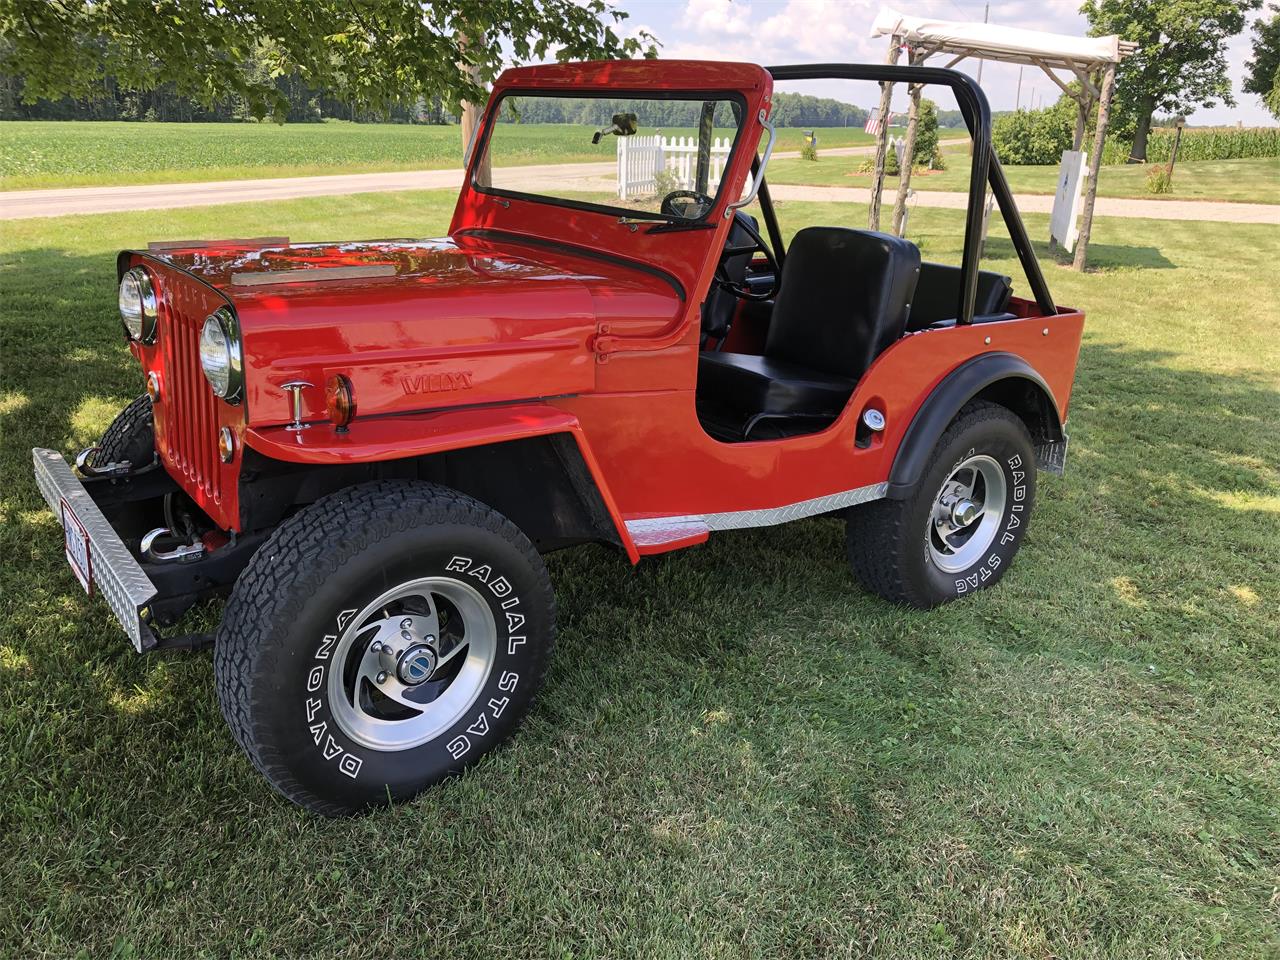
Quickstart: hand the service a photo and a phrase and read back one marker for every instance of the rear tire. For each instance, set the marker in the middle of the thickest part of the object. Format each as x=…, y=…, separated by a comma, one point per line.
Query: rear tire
x=383, y=639
x=959, y=527
x=130, y=437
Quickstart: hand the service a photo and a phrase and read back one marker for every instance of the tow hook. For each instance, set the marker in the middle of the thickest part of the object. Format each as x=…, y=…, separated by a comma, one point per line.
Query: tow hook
x=87, y=468
x=183, y=552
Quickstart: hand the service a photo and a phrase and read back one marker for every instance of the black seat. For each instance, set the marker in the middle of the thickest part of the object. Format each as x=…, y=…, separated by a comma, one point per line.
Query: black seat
x=720, y=305
x=938, y=293
x=845, y=296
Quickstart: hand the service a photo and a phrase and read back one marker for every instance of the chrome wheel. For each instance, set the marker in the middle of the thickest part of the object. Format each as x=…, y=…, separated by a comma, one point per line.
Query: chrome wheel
x=411, y=663
x=966, y=514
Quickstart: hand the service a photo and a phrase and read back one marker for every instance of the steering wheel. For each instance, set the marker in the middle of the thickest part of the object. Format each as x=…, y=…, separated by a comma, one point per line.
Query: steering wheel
x=757, y=245
x=691, y=197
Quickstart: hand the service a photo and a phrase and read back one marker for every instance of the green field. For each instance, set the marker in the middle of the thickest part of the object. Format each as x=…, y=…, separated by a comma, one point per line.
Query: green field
x=738, y=752
x=1253, y=181
x=39, y=154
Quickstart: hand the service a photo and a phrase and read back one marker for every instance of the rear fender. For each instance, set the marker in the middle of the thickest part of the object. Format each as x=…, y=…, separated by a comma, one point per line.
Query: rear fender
x=531, y=462
x=1001, y=378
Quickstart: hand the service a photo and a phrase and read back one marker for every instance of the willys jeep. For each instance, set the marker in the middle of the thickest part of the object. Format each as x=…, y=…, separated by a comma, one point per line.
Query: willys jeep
x=370, y=445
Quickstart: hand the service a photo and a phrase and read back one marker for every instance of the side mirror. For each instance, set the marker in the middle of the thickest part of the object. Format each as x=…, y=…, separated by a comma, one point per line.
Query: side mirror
x=624, y=125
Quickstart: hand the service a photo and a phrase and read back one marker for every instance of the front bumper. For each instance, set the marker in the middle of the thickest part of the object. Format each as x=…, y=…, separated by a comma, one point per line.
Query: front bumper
x=115, y=572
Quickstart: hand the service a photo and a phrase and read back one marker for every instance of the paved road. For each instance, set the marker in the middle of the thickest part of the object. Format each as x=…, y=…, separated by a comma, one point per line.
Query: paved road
x=1036, y=203
x=24, y=204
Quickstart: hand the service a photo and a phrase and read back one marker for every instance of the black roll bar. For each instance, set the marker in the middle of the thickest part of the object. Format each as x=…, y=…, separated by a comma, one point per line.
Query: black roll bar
x=986, y=167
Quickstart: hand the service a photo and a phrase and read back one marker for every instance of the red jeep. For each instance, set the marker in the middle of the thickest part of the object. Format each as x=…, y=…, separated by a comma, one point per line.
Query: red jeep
x=369, y=445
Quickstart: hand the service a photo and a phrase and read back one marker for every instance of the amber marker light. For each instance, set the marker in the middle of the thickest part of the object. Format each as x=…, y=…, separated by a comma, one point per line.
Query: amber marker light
x=226, y=445
x=339, y=400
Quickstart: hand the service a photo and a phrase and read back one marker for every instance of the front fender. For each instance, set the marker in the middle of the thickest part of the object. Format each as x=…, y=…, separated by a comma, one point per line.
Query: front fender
x=381, y=439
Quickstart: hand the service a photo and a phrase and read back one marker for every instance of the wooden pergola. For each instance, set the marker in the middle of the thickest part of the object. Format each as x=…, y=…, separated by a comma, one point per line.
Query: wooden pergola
x=1090, y=60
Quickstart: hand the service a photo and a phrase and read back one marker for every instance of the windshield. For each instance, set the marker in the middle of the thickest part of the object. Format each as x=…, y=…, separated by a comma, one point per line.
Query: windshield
x=659, y=157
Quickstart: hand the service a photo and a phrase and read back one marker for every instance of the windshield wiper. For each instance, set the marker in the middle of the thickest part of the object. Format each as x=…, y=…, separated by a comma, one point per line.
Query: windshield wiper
x=671, y=226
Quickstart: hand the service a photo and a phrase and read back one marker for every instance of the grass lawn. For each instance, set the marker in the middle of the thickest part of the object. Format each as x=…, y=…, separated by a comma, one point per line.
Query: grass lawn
x=38, y=154
x=738, y=753
x=1253, y=181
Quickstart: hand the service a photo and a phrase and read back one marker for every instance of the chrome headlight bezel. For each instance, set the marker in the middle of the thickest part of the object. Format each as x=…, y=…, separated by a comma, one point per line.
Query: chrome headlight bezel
x=223, y=320
x=141, y=328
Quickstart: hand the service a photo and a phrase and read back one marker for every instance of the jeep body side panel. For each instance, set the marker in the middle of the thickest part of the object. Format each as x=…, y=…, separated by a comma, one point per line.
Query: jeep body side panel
x=660, y=463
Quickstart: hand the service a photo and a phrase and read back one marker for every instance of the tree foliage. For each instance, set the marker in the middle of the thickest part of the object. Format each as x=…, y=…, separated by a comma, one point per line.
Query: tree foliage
x=374, y=54
x=1263, y=71
x=1035, y=136
x=1181, y=60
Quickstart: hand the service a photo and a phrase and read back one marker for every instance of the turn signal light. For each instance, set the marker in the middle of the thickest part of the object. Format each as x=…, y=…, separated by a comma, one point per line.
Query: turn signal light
x=339, y=400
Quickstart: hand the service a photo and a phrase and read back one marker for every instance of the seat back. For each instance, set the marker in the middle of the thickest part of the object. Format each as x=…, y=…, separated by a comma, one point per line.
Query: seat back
x=938, y=292
x=845, y=296
x=719, y=307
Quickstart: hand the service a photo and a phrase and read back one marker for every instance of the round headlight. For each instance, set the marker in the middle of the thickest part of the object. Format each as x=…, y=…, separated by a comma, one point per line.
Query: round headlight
x=138, y=305
x=220, y=355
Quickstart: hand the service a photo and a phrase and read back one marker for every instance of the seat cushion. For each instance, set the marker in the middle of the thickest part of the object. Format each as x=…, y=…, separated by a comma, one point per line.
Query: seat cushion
x=938, y=293
x=748, y=384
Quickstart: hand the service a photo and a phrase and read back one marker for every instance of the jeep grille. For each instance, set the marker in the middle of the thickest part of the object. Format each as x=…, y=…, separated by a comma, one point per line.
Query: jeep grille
x=190, y=426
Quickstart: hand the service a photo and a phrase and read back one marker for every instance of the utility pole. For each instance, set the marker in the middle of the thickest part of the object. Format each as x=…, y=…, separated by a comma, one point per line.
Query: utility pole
x=1017, y=103
x=986, y=16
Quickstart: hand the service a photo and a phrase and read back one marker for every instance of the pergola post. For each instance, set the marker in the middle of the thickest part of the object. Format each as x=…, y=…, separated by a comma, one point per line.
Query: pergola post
x=1095, y=164
x=905, y=168
x=882, y=138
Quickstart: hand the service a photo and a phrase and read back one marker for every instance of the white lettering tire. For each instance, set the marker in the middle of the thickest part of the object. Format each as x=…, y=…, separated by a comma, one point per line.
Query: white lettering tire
x=383, y=639
x=957, y=531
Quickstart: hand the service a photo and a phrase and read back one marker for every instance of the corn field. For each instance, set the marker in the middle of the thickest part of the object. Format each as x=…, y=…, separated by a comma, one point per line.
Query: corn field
x=1210, y=143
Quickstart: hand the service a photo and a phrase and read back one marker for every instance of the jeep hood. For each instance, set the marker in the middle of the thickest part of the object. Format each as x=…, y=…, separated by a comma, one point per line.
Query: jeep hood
x=419, y=324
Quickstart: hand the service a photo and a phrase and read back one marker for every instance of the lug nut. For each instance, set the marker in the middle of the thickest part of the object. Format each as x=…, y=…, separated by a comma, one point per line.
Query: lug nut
x=376, y=646
x=406, y=635
x=406, y=624
x=382, y=676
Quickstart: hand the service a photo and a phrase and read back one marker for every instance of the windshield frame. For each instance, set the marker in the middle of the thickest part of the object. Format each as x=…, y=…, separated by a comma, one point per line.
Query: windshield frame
x=480, y=155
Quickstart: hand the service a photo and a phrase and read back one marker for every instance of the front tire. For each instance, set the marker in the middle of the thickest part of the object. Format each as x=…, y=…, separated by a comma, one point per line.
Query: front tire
x=130, y=438
x=959, y=527
x=383, y=639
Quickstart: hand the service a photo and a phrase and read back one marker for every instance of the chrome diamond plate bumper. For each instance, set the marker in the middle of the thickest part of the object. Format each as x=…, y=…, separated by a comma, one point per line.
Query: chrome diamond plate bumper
x=119, y=577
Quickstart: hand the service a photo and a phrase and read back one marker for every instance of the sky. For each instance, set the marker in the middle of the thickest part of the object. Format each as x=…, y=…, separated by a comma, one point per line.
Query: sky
x=816, y=31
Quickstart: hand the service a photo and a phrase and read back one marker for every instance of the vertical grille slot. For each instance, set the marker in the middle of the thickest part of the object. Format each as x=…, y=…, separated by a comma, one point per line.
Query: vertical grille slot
x=191, y=421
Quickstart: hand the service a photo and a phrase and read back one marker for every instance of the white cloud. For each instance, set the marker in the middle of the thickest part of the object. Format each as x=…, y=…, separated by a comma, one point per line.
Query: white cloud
x=815, y=31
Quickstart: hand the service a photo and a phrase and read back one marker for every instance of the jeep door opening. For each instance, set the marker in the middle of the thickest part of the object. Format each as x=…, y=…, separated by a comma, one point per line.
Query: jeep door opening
x=368, y=446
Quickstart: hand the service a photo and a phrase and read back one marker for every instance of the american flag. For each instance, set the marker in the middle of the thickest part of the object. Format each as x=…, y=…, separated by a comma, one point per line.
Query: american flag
x=873, y=122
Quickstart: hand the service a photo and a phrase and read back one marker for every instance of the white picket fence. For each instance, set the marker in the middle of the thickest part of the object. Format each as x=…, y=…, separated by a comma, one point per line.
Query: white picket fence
x=641, y=159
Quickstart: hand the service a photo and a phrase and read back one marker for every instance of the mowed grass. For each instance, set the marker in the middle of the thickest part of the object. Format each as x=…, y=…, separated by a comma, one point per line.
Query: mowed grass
x=47, y=154
x=738, y=753
x=1249, y=181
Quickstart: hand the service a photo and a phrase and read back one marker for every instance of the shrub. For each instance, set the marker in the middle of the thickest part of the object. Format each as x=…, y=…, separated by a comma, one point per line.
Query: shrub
x=808, y=152
x=1035, y=137
x=926, y=146
x=1159, y=178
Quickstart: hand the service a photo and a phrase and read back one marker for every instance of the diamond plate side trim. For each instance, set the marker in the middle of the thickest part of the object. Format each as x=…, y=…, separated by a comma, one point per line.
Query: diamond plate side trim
x=655, y=530
x=125, y=587
x=659, y=530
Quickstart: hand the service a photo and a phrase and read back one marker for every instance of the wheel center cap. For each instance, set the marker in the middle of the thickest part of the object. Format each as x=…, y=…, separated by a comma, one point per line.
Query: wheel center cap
x=416, y=664
x=964, y=512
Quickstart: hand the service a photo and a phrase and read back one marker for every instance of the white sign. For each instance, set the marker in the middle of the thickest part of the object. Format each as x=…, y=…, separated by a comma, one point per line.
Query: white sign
x=1066, y=202
x=899, y=149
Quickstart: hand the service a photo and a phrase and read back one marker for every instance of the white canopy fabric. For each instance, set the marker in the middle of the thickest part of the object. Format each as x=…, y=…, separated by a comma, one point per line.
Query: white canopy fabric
x=1010, y=44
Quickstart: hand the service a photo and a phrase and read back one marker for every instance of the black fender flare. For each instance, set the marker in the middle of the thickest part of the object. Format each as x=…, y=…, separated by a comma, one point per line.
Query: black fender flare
x=1006, y=378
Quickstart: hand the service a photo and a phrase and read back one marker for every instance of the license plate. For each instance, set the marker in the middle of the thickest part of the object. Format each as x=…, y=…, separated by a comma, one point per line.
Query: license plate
x=77, y=542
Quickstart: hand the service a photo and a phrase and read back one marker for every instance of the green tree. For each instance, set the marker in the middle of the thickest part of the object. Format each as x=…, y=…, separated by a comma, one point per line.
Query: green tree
x=1181, y=59
x=374, y=54
x=926, y=146
x=1263, y=77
